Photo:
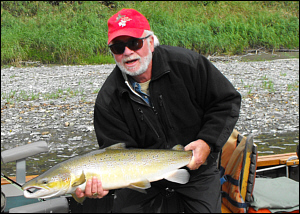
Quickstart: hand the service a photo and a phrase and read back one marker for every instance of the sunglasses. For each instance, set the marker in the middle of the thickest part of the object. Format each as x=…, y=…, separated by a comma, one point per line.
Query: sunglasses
x=133, y=44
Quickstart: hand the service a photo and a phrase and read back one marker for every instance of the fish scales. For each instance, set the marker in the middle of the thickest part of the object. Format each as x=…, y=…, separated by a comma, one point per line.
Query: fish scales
x=133, y=164
x=116, y=167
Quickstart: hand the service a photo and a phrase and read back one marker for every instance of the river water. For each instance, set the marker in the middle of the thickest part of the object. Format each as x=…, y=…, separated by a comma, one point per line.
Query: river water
x=59, y=151
x=60, y=110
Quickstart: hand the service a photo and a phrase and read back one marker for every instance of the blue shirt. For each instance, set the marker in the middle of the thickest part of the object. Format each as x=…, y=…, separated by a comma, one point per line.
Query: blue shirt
x=137, y=87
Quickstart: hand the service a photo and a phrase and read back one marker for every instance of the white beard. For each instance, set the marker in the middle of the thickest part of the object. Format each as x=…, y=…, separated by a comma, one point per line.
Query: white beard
x=144, y=63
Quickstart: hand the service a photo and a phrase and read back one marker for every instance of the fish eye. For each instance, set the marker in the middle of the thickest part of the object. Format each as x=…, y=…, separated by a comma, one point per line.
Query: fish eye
x=44, y=181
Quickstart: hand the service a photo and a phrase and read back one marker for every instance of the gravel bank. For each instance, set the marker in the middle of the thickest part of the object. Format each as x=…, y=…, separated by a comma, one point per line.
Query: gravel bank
x=62, y=98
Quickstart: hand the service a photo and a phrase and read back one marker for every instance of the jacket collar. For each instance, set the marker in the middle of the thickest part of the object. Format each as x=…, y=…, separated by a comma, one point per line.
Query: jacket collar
x=160, y=64
x=160, y=67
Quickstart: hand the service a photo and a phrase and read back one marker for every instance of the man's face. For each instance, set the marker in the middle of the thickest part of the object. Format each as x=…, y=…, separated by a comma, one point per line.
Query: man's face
x=137, y=62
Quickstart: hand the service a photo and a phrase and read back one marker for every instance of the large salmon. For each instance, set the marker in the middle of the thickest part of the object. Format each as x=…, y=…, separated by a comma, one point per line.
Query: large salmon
x=116, y=167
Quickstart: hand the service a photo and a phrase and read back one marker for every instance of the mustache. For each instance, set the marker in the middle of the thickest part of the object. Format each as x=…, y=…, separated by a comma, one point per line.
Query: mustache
x=130, y=58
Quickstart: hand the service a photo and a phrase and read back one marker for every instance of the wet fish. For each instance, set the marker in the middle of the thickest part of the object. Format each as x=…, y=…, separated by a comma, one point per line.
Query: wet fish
x=116, y=167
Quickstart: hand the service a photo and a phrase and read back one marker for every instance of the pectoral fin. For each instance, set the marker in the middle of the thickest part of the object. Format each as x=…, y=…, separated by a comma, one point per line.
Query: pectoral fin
x=79, y=180
x=178, y=147
x=140, y=186
x=180, y=176
x=117, y=146
x=79, y=200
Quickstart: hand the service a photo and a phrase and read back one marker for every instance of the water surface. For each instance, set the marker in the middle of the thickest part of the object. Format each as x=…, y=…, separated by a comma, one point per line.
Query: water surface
x=70, y=144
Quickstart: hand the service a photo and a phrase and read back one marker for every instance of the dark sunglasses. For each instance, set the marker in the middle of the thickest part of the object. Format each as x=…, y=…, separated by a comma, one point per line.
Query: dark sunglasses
x=133, y=44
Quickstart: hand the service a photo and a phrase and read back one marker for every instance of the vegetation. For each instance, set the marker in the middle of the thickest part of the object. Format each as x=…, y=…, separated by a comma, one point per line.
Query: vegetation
x=75, y=32
x=27, y=95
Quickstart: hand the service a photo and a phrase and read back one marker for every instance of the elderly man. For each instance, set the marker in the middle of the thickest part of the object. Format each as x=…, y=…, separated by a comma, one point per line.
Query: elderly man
x=158, y=96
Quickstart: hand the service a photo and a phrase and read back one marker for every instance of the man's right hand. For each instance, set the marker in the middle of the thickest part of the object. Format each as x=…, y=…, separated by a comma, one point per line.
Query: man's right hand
x=93, y=189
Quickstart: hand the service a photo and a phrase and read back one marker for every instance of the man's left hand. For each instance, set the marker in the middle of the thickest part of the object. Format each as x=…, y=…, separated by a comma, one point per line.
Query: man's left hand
x=201, y=150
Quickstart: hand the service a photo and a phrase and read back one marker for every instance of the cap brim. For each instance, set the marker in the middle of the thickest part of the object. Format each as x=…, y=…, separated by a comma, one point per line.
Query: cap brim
x=132, y=32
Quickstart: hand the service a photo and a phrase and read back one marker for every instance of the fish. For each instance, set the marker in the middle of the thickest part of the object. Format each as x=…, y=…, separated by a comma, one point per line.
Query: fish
x=116, y=166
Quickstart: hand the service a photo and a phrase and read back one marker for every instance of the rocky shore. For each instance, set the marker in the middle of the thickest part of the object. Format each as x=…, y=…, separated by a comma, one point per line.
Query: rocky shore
x=55, y=103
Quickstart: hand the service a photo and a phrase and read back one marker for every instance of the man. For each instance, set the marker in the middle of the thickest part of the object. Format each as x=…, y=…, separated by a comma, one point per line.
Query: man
x=157, y=97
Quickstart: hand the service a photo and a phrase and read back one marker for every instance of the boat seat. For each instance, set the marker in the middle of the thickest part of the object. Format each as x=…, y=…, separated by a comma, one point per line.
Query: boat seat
x=241, y=195
x=275, y=195
x=19, y=154
x=237, y=165
x=15, y=201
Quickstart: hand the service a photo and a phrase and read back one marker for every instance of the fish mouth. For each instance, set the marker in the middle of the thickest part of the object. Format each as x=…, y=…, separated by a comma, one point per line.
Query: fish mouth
x=32, y=189
x=39, y=192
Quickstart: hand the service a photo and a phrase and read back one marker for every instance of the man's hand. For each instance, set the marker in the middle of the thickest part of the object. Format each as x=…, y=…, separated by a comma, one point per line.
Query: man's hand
x=201, y=150
x=93, y=189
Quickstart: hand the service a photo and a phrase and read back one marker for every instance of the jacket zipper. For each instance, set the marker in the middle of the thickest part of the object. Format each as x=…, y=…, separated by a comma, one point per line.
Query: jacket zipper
x=161, y=103
x=144, y=118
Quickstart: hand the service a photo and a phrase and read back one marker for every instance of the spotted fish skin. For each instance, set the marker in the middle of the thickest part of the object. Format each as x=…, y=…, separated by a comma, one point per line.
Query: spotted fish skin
x=116, y=167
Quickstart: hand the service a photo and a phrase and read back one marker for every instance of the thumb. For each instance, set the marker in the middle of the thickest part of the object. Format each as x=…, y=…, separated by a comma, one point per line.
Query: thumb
x=189, y=147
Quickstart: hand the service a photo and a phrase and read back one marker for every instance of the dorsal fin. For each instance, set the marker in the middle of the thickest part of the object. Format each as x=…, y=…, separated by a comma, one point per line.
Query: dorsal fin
x=117, y=146
x=178, y=147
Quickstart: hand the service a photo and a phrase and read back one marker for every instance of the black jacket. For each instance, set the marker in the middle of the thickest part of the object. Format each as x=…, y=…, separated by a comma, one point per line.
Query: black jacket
x=191, y=100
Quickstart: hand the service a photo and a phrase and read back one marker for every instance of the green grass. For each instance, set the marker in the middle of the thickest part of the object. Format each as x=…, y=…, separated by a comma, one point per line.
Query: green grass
x=22, y=95
x=77, y=33
x=293, y=86
x=269, y=85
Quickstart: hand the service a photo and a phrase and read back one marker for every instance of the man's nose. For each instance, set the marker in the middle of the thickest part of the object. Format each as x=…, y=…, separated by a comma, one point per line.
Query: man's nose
x=127, y=51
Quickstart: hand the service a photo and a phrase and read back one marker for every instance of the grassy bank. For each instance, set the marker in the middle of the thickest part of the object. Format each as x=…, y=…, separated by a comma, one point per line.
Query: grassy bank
x=76, y=33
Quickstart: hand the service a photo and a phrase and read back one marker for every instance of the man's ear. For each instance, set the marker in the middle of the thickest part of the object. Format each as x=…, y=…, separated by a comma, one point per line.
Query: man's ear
x=152, y=43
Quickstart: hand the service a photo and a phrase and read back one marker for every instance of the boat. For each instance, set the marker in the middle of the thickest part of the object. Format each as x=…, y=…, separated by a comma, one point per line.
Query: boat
x=241, y=171
x=253, y=183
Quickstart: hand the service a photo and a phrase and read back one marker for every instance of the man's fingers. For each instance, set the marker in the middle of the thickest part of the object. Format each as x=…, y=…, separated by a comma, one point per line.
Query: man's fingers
x=200, y=150
x=95, y=186
x=188, y=147
x=88, y=188
x=79, y=193
x=192, y=165
x=93, y=189
x=101, y=191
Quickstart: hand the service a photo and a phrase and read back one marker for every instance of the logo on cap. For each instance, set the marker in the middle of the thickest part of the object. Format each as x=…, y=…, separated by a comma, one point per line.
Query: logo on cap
x=123, y=19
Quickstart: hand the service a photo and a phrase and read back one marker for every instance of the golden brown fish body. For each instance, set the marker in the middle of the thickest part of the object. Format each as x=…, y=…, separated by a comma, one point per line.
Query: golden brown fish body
x=116, y=167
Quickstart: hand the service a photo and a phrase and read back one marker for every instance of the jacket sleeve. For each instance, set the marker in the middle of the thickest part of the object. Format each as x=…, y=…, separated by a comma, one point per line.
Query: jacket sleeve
x=110, y=128
x=220, y=102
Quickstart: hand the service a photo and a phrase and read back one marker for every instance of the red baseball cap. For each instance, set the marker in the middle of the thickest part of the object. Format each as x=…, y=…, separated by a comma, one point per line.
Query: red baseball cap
x=127, y=22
